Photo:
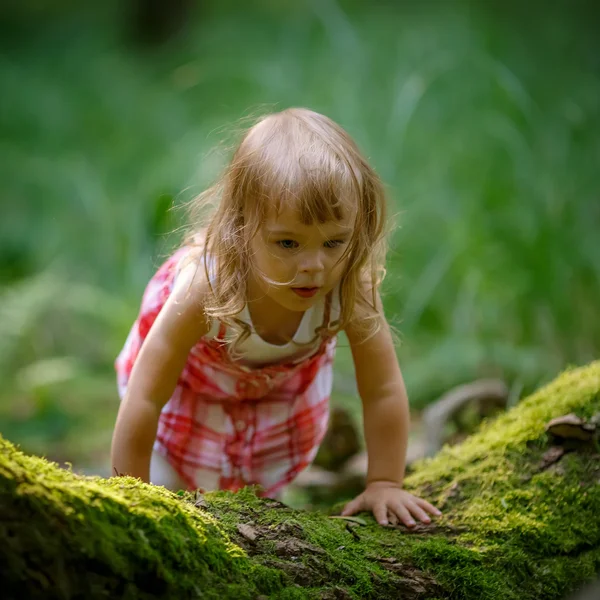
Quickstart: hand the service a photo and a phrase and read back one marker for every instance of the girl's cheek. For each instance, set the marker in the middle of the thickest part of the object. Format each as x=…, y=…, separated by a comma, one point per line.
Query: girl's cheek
x=339, y=268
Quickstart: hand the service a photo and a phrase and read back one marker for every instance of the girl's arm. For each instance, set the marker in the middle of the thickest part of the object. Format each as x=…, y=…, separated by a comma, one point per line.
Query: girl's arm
x=386, y=426
x=385, y=404
x=178, y=327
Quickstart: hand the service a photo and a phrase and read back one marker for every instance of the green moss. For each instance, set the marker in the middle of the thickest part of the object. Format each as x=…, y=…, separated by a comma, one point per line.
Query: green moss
x=342, y=559
x=509, y=529
x=539, y=529
x=463, y=571
x=92, y=532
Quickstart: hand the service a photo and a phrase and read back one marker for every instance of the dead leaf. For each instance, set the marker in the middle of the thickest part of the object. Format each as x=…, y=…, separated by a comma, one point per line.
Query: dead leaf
x=336, y=593
x=571, y=427
x=382, y=559
x=551, y=456
x=275, y=504
x=350, y=528
x=293, y=547
x=452, y=492
x=556, y=469
x=357, y=520
x=199, y=501
x=248, y=532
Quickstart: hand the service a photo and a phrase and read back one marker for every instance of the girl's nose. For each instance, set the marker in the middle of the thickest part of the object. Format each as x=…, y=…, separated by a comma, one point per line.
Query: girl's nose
x=312, y=262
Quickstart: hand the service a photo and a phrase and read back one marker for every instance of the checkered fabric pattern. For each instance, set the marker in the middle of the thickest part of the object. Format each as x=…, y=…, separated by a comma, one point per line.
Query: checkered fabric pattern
x=228, y=425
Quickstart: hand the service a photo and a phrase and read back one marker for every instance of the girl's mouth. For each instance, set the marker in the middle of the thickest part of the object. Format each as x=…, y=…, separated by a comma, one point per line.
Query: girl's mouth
x=305, y=292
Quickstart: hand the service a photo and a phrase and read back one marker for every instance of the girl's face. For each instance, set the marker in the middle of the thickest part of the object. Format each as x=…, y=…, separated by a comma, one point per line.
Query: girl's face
x=302, y=261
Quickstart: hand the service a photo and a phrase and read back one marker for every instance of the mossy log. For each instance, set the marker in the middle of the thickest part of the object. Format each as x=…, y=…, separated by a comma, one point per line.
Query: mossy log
x=521, y=521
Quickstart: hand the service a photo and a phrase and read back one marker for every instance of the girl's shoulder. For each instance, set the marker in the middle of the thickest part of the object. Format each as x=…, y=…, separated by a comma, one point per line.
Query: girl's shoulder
x=190, y=279
x=182, y=313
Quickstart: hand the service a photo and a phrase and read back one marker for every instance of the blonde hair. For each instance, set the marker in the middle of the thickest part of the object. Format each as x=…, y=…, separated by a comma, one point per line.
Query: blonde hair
x=302, y=159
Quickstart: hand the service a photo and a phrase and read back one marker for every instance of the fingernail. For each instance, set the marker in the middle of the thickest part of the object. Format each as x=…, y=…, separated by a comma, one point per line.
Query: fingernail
x=411, y=522
x=383, y=522
x=438, y=512
x=427, y=520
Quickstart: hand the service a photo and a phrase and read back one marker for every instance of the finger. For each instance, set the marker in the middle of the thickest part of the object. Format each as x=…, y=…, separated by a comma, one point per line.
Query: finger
x=380, y=511
x=392, y=518
x=428, y=507
x=418, y=513
x=403, y=514
x=353, y=507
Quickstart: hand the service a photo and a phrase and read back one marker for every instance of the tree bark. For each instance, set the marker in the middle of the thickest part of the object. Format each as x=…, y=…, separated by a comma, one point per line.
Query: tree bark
x=521, y=520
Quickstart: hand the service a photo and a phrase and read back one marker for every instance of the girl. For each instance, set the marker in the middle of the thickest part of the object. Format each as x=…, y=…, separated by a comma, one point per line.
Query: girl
x=226, y=374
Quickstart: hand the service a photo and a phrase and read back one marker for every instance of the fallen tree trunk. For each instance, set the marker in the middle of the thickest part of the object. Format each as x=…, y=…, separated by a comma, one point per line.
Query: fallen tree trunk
x=521, y=521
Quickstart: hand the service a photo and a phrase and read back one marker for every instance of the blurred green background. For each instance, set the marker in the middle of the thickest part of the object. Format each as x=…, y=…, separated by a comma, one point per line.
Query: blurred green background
x=482, y=117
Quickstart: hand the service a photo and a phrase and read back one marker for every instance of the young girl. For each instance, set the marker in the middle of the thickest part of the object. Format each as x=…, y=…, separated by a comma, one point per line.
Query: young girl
x=226, y=374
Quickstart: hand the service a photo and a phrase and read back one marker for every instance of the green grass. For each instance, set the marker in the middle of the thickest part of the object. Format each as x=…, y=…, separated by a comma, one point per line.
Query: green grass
x=482, y=119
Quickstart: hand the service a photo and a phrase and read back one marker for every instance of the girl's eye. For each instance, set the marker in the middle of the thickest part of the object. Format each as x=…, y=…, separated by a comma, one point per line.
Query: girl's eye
x=334, y=243
x=288, y=244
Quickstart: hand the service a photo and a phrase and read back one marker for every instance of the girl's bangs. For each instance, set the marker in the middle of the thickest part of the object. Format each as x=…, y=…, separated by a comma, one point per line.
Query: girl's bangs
x=316, y=195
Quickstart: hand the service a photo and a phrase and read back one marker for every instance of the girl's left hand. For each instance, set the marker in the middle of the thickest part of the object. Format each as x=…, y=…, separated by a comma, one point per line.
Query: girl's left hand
x=390, y=504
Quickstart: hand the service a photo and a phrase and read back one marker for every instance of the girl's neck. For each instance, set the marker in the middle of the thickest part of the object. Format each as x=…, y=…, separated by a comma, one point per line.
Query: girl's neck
x=274, y=323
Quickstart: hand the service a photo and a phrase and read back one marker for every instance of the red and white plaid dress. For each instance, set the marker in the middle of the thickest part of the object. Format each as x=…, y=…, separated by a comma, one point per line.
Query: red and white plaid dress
x=228, y=425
